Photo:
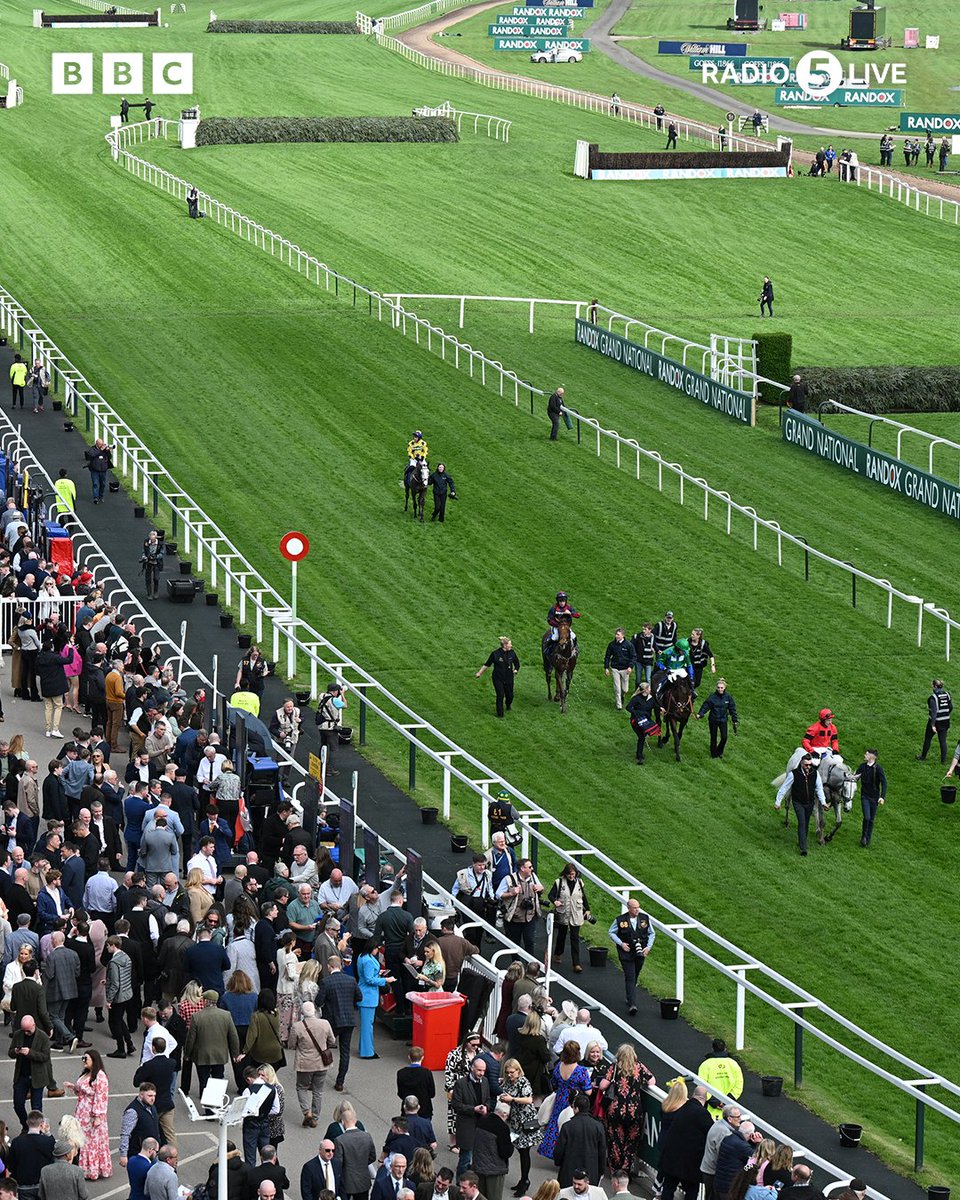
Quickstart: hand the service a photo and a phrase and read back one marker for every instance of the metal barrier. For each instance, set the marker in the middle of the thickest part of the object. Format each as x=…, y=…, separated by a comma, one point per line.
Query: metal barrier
x=902, y=429
x=4, y=71
x=905, y=193
x=541, y=830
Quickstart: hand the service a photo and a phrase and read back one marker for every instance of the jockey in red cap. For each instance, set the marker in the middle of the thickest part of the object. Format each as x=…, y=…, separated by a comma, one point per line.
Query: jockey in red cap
x=822, y=734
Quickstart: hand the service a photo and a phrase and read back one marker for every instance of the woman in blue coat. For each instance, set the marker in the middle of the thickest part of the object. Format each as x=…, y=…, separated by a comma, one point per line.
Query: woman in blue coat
x=371, y=982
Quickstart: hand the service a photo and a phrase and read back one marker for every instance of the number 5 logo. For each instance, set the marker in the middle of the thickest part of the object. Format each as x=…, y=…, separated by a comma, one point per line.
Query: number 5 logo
x=819, y=73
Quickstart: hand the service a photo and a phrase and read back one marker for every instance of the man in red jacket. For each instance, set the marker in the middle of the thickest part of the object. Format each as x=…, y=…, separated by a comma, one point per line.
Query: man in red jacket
x=822, y=734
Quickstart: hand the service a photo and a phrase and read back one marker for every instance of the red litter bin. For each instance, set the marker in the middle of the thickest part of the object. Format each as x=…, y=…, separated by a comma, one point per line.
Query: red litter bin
x=436, y=1025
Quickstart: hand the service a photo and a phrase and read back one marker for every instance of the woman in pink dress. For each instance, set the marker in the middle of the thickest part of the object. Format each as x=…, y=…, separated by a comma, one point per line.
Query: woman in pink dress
x=93, y=1095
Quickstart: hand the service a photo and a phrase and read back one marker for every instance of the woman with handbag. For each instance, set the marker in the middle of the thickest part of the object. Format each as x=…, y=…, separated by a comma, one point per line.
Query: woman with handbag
x=623, y=1089
x=262, y=1043
x=516, y=1091
x=312, y=1041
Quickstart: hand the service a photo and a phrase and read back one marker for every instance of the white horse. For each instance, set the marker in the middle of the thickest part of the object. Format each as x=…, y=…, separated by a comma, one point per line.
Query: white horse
x=839, y=786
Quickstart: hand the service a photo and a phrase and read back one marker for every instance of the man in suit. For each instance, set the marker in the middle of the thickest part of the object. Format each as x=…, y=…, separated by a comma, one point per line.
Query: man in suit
x=442, y=1187
x=454, y=949
x=339, y=998
x=212, y=1040
x=471, y=1099
x=265, y=945
x=18, y=825
x=28, y=998
x=390, y=1181
x=415, y=1080
x=355, y=1151
x=206, y=961
x=322, y=1174
x=61, y=970
x=683, y=1145
x=800, y=1187
x=32, y=1072
x=271, y=1170
x=161, y=1071
x=582, y=1145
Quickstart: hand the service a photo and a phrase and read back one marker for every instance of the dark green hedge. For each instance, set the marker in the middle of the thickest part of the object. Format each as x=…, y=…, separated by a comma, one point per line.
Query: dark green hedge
x=886, y=389
x=683, y=159
x=774, y=351
x=232, y=131
x=282, y=27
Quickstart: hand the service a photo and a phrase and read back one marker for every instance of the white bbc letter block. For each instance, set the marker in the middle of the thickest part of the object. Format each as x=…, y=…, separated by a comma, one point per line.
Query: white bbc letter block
x=71, y=74
x=122, y=74
x=173, y=74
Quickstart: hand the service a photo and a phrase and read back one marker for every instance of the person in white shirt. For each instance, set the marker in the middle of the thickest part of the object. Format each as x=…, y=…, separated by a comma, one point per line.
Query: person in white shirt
x=154, y=1031
x=583, y=1033
x=205, y=862
x=209, y=771
x=335, y=894
x=303, y=869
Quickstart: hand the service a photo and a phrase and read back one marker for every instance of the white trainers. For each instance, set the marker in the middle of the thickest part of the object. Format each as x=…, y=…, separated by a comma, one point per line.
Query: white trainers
x=56, y=734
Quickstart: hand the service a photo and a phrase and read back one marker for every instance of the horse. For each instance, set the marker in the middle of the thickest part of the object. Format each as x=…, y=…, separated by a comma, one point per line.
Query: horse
x=415, y=484
x=676, y=709
x=560, y=660
x=839, y=787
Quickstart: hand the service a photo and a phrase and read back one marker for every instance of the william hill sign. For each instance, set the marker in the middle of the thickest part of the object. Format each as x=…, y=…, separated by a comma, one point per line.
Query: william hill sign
x=718, y=396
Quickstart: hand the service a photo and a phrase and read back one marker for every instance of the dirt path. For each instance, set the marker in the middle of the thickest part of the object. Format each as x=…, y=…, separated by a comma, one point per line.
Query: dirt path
x=420, y=37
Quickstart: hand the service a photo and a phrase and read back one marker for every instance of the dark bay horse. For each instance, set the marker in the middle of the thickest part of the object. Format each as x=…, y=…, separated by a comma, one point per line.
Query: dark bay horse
x=415, y=485
x=676, y=708
x=560, y=660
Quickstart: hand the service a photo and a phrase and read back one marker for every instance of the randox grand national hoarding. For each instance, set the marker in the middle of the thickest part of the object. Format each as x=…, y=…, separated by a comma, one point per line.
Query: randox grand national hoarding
x=726, y=400
x=914, y=122
x=892, y=473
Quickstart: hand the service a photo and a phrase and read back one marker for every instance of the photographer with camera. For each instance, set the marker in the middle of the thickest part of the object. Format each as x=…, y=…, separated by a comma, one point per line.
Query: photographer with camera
x=151, y=563
x=98, y=464
x=285, y=725
x=520, y=894
x=571, y=910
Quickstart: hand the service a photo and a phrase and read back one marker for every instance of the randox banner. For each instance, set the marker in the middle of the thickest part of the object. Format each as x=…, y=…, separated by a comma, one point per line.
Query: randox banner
x=522, y=31
x=541, y=43
x=892, y=473
x=852, y=97
x=722, y=49
x=574, y=7
x=553, y=11
x=737, y=405
x=911, y=122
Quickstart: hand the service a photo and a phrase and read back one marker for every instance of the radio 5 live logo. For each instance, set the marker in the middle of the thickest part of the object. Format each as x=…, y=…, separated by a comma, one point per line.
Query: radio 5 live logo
x=73, y=74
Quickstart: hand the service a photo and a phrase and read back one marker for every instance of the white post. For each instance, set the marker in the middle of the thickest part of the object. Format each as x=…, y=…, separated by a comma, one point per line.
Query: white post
x=484, y=818
x=183, y=647
x=741, y=1011
x=446, y=787
x=549, y=951
x=222, y=1160
x=678, y=990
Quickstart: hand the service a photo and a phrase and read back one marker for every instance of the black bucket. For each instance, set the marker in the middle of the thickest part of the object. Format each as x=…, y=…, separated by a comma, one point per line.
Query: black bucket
x=458, y=843
x=429, y=815
x=771, y=1085
x=226, y=620
x=186, y=567
x=139, y=512
x=670, y=1009
x=948, y=794
x=212, y=599
x=345, y=735
x=68, y=427
x=850, y=1135
x=114, y=485
x=598, y=956
x=244, y=640
x=58, y=406
x=302, y=698
x=938, y=1193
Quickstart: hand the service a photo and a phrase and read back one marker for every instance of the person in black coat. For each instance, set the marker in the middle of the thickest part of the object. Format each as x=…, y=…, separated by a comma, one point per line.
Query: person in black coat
x=54, y=806
x=766, y=296
x=581, y=1145
x=269, y=1169
x=237, y=1171
x=315, y=1171
x=29, y=1153
x=442, y=485
x=720, y=707
x=554, y=412
x=53, y=682
x=682, y=1150
x=732, y=1156
x=417, y=1081
x=506, y=666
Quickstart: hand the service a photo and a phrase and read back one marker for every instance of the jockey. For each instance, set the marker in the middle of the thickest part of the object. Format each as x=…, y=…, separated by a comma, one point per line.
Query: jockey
x=822, y=734
x=676, y=661
x=561, y=611
x=417, y=448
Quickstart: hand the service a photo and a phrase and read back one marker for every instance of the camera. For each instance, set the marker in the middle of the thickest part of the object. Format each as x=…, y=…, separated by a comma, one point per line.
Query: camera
x=590, y=919
x=526, y=904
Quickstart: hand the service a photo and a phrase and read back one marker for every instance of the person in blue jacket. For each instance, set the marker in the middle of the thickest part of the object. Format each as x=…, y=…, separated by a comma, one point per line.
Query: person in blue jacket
x=719, y=707
x=135, y=808
x=371, y=982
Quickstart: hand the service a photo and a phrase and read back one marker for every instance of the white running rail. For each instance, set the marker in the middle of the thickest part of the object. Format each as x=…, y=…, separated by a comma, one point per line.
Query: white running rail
x=4, y=71
x=103, y=5
x=747, y=973
x=905, y=193
x=496, y=127
x=903, y=431
x=412, y=16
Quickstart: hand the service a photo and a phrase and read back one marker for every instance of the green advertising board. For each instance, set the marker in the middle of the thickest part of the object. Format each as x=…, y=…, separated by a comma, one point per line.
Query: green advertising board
x=516, y=42
x=525, y=31
x=845, y=97
x=911, y=122
x=648, y=1149
x=718, y=396
x=892, y=473
x=555, y=11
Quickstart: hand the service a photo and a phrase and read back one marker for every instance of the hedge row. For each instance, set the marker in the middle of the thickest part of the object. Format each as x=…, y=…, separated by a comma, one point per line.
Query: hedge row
x=233, y=131
x=774, y=351
x=885, y=389
x=684, y=159
x=282, y=27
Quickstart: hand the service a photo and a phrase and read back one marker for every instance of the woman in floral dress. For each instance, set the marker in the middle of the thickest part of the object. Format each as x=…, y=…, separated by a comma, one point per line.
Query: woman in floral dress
x=568, y=1076
x=524, y=1128
x=456, y=1068
x=93, y=1096
x=623, y=1090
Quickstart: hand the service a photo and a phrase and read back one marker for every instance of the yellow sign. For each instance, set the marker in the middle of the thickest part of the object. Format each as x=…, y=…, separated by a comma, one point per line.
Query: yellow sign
x=314, y=766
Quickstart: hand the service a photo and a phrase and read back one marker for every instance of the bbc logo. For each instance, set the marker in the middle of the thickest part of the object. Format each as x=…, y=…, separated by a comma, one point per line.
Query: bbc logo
x=73, y=74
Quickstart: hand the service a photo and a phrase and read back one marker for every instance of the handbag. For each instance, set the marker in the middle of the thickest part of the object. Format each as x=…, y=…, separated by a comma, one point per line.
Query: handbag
x=545, y=1111
x=326, y=1056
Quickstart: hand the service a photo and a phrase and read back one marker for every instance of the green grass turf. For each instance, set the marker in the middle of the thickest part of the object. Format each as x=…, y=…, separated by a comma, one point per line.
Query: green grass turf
x=246, y=382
